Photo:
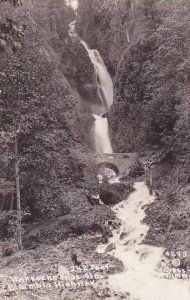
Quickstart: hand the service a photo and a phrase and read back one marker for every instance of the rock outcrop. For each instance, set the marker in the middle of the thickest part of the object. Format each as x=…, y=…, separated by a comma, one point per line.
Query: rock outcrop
x=112, y=194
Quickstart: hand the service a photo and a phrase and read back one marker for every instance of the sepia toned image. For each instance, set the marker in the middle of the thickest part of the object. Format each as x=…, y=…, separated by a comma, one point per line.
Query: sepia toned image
x=94, y=149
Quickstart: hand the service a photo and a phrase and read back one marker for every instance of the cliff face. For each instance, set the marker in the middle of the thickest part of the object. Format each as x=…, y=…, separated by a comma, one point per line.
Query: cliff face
x=145, y=47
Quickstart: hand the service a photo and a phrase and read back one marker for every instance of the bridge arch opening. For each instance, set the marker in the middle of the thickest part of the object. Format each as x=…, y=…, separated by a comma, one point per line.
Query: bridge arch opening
x=108, y=165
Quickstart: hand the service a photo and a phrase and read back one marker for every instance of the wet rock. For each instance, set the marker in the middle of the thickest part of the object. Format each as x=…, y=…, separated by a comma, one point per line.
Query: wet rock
x=110, y=247
x=123, y=235
x=93, y=199
x=134, y=171
x=114, y=193
x=127, y=243
x=113, y=224
x=81, y=75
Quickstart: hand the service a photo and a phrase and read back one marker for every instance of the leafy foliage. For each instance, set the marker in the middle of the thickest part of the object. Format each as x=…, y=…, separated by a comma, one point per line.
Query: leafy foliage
x=151, y=79
x=38, y=105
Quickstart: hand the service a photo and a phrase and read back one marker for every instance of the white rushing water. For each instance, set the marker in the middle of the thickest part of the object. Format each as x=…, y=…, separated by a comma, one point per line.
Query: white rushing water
x=104, y=81
x=102, y=141
x=72, y=3
x=72, y=29
x=105, y=93
x=142, y=277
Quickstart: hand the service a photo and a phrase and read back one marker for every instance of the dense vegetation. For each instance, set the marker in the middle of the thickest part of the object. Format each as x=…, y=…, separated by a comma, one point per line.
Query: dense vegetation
x=151, y=79
x=44, y=127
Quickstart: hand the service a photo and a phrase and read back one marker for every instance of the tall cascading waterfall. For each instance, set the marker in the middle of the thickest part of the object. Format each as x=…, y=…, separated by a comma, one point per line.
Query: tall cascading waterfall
x=105, y=93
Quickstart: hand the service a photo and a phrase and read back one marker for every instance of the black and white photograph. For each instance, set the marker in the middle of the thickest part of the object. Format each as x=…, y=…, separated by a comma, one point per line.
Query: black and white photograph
x=94, y=149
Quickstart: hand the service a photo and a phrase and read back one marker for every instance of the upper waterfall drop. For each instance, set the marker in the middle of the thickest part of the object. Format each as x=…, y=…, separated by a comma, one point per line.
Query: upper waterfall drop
x=72, y=28
x=103, y=78
x=104, y=81
x=105, y=92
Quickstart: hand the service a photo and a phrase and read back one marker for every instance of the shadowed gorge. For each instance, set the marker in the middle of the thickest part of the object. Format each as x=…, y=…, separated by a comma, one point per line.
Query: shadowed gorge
x=148, y=58
x=94, y=149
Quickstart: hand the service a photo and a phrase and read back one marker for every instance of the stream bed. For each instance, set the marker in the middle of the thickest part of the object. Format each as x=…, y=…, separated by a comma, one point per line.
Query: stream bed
x=144, y=265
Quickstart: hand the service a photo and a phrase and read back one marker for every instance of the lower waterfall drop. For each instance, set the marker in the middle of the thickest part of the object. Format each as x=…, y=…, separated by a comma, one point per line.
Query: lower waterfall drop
x=102, y=141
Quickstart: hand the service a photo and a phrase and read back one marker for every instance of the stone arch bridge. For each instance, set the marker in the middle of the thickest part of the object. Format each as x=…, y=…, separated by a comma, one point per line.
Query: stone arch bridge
x=118, y=162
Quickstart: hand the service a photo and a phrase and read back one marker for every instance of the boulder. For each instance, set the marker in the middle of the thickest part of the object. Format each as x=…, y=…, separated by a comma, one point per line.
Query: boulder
x=110, y=247
x=114, y=193
x=123, y=235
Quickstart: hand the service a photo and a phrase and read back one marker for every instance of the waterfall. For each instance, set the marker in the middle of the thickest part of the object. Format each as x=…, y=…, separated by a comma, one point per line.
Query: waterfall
x=73, y=4
x=102, y=140
x=105, y=93
x=104, y=81
x=72, y=29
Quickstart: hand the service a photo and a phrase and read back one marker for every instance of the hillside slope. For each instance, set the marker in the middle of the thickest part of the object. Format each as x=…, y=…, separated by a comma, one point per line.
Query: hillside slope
x=51, y=122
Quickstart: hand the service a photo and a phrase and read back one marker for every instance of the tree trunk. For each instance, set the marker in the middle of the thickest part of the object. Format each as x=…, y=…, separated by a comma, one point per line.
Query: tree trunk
x=12, y=201
x=4, y=189
x=3, y=202
x=19, y=226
